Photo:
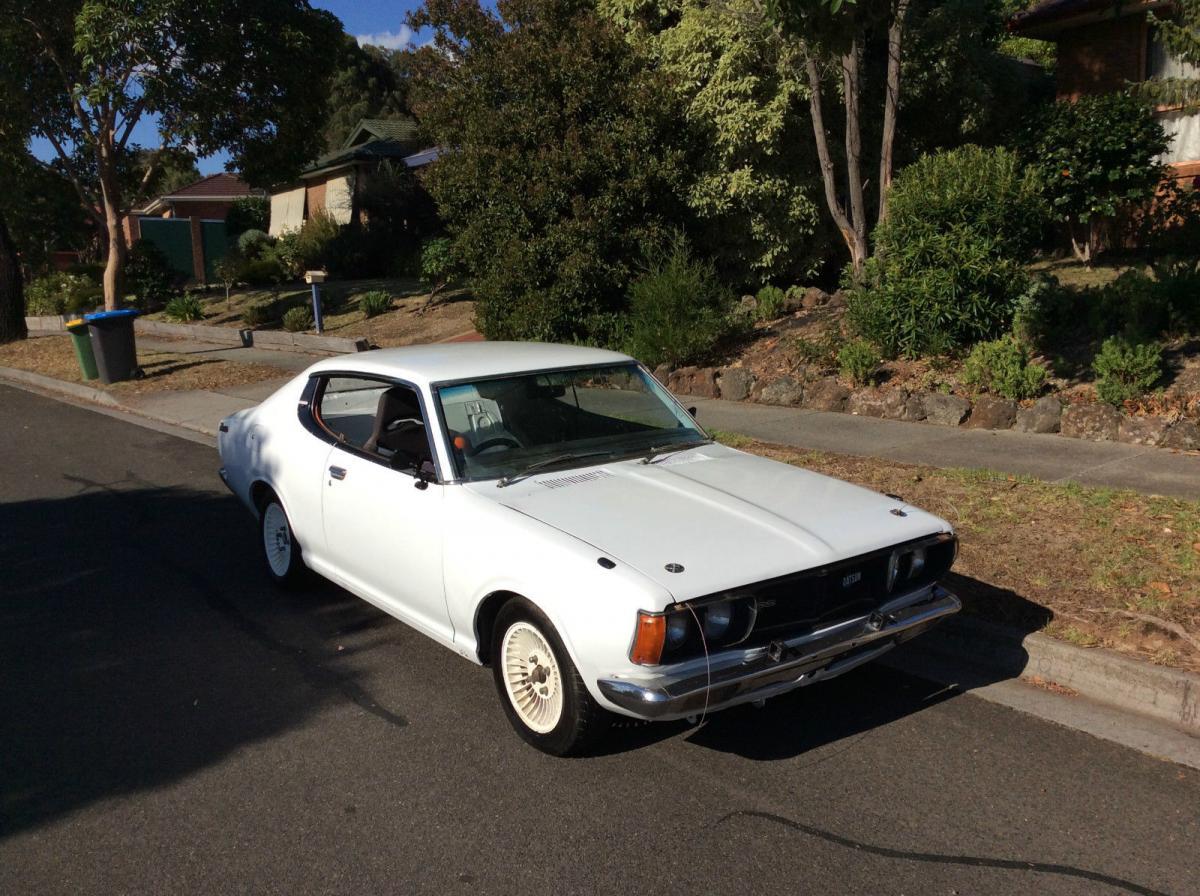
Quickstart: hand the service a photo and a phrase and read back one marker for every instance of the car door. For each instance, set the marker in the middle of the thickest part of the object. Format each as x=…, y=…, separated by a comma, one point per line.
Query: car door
x=383, y=526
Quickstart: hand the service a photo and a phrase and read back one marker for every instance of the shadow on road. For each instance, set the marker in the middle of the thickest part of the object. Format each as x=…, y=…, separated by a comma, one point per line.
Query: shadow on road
x=117, y=674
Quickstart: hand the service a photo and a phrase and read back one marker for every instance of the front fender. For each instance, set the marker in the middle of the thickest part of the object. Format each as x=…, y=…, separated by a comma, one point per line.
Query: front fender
x=592, y=607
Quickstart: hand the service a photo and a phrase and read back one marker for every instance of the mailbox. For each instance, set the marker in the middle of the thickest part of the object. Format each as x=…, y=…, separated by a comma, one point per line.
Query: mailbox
x=315, y=276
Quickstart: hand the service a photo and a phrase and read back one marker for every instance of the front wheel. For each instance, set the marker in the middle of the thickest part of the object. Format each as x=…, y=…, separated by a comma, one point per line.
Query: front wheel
x=280, y=549
x=540, y=689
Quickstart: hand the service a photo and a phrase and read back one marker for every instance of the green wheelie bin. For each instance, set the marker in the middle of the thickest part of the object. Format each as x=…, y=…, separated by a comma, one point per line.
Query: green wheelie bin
x=81, y=340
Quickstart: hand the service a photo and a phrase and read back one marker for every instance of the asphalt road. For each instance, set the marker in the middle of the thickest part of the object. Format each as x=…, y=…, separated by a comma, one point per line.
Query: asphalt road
x=169, y=723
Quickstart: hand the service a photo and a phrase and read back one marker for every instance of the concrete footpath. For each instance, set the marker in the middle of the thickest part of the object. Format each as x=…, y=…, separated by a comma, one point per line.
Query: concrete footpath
x=1156, y=471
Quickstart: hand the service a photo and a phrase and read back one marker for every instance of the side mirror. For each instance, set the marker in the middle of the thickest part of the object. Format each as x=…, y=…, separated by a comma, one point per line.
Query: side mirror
x=692, y=410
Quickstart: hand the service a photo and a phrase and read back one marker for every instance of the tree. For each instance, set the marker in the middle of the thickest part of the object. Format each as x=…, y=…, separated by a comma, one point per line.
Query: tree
x=369, y=82
x=1094, y=157
x=552, y=184
x=247, y=76
x=1179, y=35
x=832, y=36
x=745, y=102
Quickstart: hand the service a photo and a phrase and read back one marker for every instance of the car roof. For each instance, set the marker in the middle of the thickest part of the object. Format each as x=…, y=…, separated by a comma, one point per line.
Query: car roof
x=425, y=364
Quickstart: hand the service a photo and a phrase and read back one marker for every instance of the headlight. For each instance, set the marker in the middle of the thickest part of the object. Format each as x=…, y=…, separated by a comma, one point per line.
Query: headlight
x=717, y=619
x=677, y=629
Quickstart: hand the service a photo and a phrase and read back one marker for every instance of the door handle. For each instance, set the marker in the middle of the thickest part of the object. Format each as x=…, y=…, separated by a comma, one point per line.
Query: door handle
x=338, y=473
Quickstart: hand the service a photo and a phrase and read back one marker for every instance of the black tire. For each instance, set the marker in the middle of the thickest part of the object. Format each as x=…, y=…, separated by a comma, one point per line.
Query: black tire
x=582, y=719
x=280, y=550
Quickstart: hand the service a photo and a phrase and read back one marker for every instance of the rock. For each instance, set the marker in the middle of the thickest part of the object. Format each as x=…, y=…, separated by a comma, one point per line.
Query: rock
x=992, y=412
x=662, y=373
x=1183, y=434
x=814, y=297
x=1141, y=430
x=700, y=382
x=785, y=391
x=826, y=395
x=1098, y=422
x=837, y=299
x=913, y=408
x=944, y=410
x=867, y=403
x=734, y=383
x=1044, y=415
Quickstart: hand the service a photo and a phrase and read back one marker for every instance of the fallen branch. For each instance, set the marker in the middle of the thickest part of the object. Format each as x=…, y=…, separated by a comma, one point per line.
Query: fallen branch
x=1165, y=624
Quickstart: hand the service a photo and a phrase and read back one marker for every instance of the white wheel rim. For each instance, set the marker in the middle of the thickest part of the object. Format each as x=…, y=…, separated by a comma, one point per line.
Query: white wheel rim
x=277, y=539
x=531, y=677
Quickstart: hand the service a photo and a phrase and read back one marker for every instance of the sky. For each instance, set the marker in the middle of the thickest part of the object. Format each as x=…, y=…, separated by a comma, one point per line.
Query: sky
x=378, y=22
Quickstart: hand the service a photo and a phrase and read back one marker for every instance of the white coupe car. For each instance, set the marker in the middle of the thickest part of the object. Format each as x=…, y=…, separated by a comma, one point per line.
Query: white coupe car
x=552, y=511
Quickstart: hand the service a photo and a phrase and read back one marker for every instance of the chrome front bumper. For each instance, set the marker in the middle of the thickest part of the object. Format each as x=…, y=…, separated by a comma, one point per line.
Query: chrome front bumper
x=766, y=672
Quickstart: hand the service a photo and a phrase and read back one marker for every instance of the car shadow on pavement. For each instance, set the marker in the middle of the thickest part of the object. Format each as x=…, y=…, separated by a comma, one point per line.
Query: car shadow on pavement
x=140, y=642
x=882, y=692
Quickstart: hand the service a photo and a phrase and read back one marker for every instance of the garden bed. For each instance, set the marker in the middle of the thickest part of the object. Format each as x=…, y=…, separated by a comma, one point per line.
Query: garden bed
x=793, y=361
x=410, y=320
x=1090, y=566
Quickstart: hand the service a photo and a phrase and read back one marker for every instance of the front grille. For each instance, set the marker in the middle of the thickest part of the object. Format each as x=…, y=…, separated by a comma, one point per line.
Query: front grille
x=797, y=604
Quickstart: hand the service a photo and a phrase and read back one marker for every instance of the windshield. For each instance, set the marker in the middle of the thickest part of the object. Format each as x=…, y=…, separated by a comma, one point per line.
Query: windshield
x=502, y=427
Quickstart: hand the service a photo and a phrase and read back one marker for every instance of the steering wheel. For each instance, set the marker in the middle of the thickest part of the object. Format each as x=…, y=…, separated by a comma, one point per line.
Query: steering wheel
x=494, y=442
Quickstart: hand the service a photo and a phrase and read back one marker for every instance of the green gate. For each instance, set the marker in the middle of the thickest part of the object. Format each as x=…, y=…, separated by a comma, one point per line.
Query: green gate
x=173, y=237
x=216, y=244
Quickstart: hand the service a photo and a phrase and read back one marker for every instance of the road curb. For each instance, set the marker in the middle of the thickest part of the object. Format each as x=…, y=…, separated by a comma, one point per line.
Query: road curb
x=86, y=393
x=1104, y=676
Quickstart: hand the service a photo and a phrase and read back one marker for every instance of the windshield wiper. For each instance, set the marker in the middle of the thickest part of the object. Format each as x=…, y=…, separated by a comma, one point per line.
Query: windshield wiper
x=549, y=462
x=671, y=447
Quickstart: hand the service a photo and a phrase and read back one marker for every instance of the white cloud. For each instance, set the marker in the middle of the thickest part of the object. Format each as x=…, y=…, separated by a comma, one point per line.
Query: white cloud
x=389, y=40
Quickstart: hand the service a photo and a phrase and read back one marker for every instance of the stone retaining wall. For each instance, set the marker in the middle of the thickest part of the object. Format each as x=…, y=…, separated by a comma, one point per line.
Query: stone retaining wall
x=1096, y=421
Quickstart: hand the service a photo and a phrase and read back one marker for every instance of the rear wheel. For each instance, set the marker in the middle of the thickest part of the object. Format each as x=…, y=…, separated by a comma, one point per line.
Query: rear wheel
x=540, y=689
x=280, y=550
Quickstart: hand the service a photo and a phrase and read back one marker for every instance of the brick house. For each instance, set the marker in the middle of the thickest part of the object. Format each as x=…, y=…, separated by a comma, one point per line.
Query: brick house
x=334, y=182
x=188, y=224
x=1103, y=45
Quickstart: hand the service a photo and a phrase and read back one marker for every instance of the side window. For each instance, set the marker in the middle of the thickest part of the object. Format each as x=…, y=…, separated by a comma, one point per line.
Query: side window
x=379, y=418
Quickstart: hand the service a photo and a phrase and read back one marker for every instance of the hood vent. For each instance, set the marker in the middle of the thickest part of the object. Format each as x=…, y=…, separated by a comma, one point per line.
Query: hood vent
x=564, y=481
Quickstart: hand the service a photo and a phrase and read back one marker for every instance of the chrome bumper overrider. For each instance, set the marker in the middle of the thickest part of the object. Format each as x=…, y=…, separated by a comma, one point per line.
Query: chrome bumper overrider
x=761, y=673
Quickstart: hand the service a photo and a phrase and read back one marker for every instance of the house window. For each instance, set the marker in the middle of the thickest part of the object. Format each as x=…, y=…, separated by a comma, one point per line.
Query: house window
x=1160, y=63
x=1183, y=129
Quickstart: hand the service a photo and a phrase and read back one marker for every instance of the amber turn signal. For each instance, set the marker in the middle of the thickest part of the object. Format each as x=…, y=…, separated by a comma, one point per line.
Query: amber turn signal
x=648, y=641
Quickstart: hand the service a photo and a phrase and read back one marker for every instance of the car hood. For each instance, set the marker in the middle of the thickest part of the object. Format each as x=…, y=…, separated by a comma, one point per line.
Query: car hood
x=726, y=517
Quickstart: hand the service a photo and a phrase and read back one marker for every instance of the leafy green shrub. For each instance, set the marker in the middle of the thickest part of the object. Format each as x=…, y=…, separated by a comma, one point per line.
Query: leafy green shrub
x=858, y=361
x=93, y=270
x=437, y=263
x=252, y=213
x=58, y=293
x=374, y=303
x=256, y=314
x=1003, y=367
x=770, y=301
x=253, y=243
x=263, y=272
x=317, y=242
x=819, y=351
x=149, y=276
x=678, y=310
x=185, y=308
x=949, y=264
x=1092, y=157
x=298, y=319
x=1125, y=370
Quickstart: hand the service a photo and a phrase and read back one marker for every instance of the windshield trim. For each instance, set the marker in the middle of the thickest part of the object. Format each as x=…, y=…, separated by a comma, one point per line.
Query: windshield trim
x=618, y=456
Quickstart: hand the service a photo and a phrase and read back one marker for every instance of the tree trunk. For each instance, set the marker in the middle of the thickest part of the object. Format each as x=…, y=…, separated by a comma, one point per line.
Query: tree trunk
x=851, y=84
x=12, y=293
x=110, y=197
x=840, y=218
x=891, y=105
